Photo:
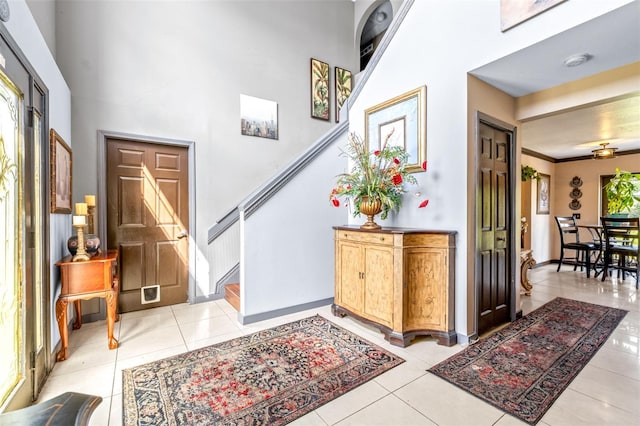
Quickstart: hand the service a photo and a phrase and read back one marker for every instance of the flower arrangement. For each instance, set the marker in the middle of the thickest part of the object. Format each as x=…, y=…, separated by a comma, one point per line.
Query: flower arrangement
x=380, y=174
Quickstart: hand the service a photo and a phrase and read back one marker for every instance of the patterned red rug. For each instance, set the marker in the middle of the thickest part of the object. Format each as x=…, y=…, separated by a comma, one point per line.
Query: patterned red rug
x=270, y=377
x=524, y=367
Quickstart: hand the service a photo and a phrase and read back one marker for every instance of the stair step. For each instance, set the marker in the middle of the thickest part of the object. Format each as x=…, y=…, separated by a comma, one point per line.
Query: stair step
x=232, y=295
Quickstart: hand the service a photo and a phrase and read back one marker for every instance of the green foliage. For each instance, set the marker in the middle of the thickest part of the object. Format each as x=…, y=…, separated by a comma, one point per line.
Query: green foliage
x=528, y=172
x=621, y=191
x=378, y=174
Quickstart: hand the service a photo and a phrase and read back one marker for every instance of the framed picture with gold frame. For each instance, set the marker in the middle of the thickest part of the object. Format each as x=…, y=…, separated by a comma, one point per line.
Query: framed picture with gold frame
x=60, y=162
x=343, y=82
x=320, y=107
x=401, y=121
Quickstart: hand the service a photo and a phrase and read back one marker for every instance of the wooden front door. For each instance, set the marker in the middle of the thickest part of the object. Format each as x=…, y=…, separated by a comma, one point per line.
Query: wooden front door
x=148, y=221
x=493, y=257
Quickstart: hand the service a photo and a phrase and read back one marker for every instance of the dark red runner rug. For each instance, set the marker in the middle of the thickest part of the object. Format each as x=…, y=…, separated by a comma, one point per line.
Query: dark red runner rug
x=524, y=367
x=270, y=377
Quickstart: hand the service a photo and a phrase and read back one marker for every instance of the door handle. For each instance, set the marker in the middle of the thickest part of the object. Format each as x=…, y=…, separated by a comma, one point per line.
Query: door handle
x=181, y=235
x=501, y=239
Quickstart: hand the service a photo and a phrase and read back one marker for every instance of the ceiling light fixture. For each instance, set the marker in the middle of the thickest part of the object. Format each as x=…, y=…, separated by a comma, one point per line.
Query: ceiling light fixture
x=603, y=152
x=575, y=60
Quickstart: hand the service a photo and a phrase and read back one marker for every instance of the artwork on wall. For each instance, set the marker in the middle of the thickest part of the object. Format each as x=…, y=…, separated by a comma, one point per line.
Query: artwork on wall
x=514, y=12
x=343, y=85
x=320, y=90
x=544, y=193
x=404, y=118
x=258, y=117
x=60, y=166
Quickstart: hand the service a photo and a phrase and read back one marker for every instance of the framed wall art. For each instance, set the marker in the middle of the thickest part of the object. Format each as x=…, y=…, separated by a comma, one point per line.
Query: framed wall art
x=60, y=162
x=402, y=120
x=342, y=79
x=320, y=90
x=544, y=194
x=258, y=117
x=514, y=12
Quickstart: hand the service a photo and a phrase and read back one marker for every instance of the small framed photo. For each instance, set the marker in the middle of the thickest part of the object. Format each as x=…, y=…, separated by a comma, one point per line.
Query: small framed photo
x=342, y=80
x=401, y=121
x=60, y=162
x=544, y=194
x=258, y=117
x=320, y=90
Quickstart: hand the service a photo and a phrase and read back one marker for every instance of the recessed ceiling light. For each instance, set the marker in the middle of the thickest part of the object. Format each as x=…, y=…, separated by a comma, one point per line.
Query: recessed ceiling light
x=575, y=60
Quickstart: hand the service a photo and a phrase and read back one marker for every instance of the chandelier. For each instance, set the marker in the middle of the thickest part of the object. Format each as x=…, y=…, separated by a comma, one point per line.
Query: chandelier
x=603, y=152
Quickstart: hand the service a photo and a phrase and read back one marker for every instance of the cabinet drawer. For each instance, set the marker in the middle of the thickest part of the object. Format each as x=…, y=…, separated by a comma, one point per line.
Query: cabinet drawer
x=364, y=237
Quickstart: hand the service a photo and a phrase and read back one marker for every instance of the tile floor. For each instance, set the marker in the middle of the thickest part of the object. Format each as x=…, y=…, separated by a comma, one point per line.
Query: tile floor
x=606, y=392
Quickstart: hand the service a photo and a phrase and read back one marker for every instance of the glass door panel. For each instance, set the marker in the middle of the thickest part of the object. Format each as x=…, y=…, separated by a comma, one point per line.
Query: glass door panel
x=12, y=349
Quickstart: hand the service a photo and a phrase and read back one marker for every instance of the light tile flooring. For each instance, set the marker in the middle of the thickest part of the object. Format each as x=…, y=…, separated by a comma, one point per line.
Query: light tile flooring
x=606, y=392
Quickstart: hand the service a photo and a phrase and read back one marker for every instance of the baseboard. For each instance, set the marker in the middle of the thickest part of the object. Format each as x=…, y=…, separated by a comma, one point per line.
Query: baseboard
x=546, y=262
x=463, y=339
x=249, y=319
x=209, y=298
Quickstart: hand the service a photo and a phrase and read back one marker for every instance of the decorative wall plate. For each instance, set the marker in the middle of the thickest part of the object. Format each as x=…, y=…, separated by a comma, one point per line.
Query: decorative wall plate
x=575, y=205
x=575, y=194
x=576, y=182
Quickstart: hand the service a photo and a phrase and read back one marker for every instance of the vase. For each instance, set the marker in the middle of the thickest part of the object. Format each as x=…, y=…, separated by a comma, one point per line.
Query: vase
x=91, y=244
x=370, y=207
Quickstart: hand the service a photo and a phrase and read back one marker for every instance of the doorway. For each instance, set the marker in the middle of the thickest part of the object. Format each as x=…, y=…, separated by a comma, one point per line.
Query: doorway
x=495, y=239
x=147, y=219
x=24, y=278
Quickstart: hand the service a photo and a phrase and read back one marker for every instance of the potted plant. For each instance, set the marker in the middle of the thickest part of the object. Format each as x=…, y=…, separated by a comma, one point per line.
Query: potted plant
x=621, y=192
x=376, y=180
x=528, y=173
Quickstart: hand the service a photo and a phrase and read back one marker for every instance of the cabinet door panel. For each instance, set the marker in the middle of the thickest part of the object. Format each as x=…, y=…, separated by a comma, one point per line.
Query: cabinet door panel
x=425, y=297
x=351, y=282
x=378, y=292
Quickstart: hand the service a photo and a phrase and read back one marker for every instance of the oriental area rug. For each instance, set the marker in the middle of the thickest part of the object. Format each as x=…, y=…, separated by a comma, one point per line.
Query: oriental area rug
x=269, y=377
x=525, y=366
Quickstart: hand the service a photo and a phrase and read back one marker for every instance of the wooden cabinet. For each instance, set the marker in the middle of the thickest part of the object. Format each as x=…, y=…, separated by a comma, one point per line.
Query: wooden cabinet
x=399, y=280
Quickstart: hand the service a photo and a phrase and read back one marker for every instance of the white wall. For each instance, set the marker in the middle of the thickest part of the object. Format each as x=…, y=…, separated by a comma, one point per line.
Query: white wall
x=176, y=69
x=438, y=43
x=24, y=31
x=287, y=256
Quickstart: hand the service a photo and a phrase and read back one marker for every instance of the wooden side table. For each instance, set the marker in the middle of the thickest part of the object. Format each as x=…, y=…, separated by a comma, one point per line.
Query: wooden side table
x=83, y=280
x=526, y=262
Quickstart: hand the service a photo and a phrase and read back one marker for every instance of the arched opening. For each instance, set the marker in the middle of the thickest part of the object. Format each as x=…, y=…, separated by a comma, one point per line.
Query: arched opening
x=373, y=30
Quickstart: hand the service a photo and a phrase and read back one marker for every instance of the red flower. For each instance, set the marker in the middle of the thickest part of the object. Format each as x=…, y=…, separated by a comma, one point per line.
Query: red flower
x=335, y=202
x=423, y=204
x=376, y=152
x=395, y=160
x=397, y=179
x=424, y=165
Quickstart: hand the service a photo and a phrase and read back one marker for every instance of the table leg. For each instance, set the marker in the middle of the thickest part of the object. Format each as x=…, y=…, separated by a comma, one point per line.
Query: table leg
x=111, y=316
x=78, y=322
x=61, y=317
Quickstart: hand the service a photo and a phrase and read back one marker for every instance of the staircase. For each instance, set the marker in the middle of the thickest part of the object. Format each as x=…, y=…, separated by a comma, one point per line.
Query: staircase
x=232, y=295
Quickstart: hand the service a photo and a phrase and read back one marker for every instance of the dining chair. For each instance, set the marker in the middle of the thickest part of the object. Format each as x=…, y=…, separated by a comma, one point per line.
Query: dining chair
x=621, y=249
x=570, y=240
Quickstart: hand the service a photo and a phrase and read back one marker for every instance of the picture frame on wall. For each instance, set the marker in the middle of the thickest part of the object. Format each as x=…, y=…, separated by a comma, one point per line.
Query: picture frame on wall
x=514, y=12
x=544, y=194
x=60, y=166
x=403, y=120
x=344, y=85
x=320, y=107
x=258, y=117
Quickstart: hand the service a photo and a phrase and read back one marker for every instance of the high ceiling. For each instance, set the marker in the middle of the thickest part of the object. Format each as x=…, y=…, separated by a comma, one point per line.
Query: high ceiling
x=613, y=40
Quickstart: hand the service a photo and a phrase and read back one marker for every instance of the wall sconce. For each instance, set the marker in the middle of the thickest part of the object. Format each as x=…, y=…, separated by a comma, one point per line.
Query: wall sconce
x=603, y=152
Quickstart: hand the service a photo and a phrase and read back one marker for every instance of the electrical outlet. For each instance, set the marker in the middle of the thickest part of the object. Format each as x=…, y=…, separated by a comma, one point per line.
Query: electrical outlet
x=576, y=215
